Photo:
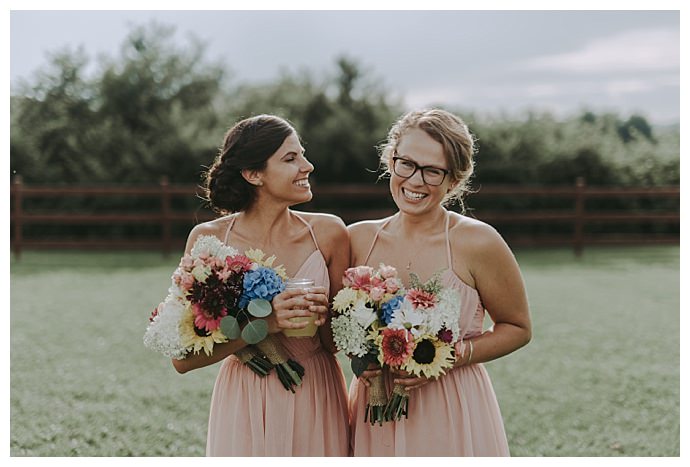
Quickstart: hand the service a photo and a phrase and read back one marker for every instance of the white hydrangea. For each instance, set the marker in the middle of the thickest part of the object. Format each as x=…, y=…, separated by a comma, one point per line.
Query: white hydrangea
x=449, y=309
x=162, y=334
x=349, y=336
x=211, y=246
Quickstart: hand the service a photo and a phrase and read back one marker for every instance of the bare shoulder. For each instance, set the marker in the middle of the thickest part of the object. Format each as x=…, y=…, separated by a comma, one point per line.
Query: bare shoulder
x=474, y=237
x=365, y=229
x=361, y=236
x=327, y=227
x=215, y=227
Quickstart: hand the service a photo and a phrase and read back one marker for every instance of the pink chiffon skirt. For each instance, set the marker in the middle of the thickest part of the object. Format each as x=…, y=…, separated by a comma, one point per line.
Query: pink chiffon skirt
x=255, y=416
x=457, y=415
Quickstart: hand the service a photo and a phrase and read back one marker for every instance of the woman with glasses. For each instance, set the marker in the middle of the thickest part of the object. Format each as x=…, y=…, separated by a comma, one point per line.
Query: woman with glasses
x=429, y=156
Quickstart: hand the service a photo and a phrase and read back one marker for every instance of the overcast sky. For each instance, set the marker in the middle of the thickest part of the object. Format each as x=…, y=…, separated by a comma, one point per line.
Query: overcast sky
x=562, y=61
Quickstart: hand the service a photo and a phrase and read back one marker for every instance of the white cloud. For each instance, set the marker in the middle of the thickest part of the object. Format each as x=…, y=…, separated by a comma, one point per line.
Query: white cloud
x=630, y=51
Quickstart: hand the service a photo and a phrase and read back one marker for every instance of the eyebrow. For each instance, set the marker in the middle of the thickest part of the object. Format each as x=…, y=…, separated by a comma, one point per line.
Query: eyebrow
x=295, y=153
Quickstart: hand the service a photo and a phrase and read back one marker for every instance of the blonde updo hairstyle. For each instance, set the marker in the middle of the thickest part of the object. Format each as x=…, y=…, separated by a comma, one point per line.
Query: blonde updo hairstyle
x=451, y=132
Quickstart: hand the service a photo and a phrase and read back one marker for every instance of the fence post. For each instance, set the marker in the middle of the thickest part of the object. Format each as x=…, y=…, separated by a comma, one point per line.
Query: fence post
x=17, y=182
x=578, y=239
x=165, y=215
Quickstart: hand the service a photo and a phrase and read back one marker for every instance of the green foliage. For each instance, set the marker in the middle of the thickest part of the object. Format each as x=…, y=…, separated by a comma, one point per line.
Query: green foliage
x=538, y=149
x=340, y=119
x=147, y=113
x=601, y=376
x=160, y=109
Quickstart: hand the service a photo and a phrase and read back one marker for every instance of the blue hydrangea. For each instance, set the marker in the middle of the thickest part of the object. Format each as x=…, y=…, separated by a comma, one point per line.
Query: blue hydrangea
x=260, y=283
x=389, y=308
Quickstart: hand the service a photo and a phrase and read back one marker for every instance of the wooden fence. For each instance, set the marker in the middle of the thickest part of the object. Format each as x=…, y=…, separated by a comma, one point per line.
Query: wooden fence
x=330, y=199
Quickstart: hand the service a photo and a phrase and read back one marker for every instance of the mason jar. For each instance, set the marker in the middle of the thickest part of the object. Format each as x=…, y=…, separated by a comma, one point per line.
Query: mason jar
x=310, y=329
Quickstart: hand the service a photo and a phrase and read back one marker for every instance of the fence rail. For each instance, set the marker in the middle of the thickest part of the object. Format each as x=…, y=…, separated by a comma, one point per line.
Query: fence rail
x=330, y=200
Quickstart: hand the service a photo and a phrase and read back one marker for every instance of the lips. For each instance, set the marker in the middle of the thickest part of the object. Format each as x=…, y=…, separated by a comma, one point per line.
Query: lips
x=304, y=183
x=413, y=195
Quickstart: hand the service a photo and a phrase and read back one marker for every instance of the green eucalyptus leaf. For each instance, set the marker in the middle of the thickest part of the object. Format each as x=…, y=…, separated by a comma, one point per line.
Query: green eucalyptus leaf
x=259, y=308
x=255, y=331
x=230, y=327
x=358, y=365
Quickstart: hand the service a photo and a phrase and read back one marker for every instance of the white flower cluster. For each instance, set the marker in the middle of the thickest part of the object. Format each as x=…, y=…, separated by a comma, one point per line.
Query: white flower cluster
x=449, y=309
x=211, y=246
x=446, y=314
x=349, y=335
x=162, y=334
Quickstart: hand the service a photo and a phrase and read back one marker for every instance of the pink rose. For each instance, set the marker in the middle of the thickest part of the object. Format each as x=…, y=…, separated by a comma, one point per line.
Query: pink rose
x=392, y=285
x=376, y=281
x=377, y=293
x=358, y=278
x=187, y=262
x=186, y=280
x=387, y=272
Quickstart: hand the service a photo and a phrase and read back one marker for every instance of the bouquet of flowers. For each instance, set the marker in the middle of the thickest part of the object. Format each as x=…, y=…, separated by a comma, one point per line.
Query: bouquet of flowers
x=219, y=294
x=365, y=304
x=419, y=337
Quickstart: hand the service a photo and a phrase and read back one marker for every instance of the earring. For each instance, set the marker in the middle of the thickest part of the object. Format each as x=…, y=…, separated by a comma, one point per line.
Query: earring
x=260, y=184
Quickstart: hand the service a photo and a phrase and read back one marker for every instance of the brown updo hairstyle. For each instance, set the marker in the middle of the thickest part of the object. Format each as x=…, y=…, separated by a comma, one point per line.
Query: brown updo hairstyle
x=247, y=145
x=453, y=134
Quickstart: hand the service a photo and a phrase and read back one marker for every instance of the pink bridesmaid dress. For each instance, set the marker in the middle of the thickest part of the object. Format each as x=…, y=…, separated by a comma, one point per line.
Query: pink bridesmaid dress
x=255, y=416
x=457, y=415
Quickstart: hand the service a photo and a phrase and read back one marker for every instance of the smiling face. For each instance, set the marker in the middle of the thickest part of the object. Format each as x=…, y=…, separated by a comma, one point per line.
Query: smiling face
x=286, y=176
x=412, y=195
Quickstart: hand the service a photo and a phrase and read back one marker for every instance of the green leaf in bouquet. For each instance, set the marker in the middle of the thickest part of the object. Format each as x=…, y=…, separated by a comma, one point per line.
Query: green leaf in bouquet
x=259, y=308
x=358, y=365
x=255, y=331
x=230, y=327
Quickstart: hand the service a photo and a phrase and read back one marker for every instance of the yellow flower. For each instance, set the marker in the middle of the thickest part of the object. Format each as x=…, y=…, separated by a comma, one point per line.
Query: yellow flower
x=344, y=299
x=255, y=255
x=191, y=340
x=280, y=270
x=430, y=358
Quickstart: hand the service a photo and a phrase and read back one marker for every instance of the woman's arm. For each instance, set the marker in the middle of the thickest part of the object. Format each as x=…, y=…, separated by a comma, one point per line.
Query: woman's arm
x=334, y=241
x=499, y=282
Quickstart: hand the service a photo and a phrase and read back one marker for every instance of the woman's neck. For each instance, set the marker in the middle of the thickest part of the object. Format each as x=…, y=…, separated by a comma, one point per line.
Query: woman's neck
x=263, y=223
x=423, y=225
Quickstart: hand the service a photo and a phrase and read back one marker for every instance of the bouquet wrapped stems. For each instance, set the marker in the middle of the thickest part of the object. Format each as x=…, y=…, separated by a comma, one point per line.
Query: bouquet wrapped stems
x=397, y=406
x=289, y=371
x=376, y=405
x=254, y=360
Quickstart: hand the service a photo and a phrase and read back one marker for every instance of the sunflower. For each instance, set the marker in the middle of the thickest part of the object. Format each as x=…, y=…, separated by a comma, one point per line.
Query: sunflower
x=196, y=339
x=430, y=358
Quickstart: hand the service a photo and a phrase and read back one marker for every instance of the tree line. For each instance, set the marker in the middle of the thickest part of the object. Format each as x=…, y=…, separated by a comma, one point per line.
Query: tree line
x=161, y=109
x=158, y=108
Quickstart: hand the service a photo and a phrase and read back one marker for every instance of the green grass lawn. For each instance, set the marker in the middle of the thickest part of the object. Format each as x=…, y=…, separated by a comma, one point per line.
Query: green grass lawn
x=601, y=376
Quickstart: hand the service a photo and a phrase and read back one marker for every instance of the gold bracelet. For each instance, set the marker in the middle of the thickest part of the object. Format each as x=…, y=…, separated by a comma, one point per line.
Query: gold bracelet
x=469, y=359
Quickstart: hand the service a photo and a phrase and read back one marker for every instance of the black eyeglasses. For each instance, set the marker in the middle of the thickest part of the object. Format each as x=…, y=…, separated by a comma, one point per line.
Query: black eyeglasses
x=431, y=175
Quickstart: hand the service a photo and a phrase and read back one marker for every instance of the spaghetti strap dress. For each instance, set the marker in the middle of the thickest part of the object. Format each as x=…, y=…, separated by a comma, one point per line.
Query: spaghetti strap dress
x=456, y=415
x=255, y=416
